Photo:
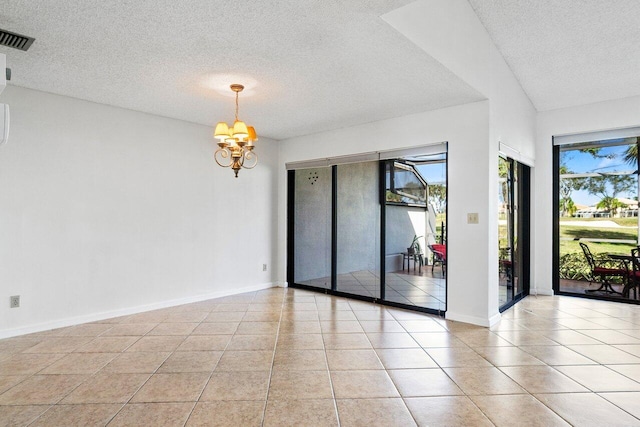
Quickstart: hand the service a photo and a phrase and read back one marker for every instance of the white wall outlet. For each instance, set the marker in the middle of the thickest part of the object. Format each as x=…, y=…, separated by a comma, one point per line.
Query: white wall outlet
x=472, y=218
x=14, y=301
x=264, y=267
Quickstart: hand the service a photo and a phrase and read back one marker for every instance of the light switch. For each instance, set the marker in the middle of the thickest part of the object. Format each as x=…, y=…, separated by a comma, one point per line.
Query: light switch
x=472, y=218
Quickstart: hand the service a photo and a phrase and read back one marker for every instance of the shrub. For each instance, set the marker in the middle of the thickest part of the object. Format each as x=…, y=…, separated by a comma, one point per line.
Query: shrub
x=574, y=266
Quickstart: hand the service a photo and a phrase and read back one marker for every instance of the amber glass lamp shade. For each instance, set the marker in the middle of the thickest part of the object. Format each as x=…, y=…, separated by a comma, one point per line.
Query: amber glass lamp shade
x=240, y=130
x=222, y=131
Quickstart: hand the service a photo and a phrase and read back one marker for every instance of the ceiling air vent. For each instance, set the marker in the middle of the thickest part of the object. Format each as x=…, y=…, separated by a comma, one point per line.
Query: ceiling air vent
x=16, y=41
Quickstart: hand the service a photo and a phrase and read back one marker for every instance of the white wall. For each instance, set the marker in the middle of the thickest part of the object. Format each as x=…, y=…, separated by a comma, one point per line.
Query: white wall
x=466, y=128
x=105, y=211
x=450, y=31
x=403, y=223
x=606, y=115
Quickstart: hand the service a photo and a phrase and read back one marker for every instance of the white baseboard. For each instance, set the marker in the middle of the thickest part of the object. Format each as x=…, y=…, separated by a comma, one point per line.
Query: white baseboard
x=547, y=292
x=94, y=317
x=494, y=319
x=480, y=321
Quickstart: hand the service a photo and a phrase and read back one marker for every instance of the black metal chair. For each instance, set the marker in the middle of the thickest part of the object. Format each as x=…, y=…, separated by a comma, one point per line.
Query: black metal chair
x=439, y=252
x=600, y=270
x=505, y=268
x=417, y=257
x=634, y=275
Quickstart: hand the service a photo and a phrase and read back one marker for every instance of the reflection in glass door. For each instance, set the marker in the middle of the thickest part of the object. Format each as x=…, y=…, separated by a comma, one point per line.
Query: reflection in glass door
x=358, y=229
x=505, y=231
x=312, y=225
x=415, y=226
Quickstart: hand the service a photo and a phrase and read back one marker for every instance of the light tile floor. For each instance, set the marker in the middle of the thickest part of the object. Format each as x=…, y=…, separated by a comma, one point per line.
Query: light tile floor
x=289, y=357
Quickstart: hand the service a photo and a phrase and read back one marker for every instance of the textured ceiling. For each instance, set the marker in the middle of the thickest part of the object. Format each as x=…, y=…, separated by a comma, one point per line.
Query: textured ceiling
x=308, y=65
x=567, y=52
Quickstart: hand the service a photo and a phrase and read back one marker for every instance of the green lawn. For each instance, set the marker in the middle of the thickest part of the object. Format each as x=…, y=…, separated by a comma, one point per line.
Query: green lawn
x=585, y=232
x=440, y=219
x=573, y=265
x=625, y=222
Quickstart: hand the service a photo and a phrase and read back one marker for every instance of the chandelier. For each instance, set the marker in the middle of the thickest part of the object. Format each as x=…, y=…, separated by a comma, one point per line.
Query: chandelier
x=235, y=142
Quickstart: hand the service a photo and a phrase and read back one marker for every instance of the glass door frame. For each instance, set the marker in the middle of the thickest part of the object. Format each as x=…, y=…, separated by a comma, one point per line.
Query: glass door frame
x=523, y=232
x=555, y=251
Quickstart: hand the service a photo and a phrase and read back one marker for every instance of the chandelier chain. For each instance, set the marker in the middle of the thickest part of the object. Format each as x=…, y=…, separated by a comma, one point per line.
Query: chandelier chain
x=236, y=106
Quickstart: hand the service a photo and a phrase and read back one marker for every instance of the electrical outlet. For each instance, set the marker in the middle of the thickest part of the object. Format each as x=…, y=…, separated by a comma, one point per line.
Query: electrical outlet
x=264, y=267
x=472, y=218
x=14, y=301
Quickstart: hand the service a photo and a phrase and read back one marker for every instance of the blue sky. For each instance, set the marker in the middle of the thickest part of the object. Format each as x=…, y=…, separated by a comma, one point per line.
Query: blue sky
x=434, y=173
x=579, y=162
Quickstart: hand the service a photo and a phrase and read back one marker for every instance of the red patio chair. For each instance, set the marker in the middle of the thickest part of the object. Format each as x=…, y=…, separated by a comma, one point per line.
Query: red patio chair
x=601, y=270
x=634, y=275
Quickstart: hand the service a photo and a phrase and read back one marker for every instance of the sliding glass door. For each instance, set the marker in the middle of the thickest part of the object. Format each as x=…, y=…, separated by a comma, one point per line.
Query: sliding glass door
x=513, y=231
x=375, y=230
x=596, y=217
x=415, y=221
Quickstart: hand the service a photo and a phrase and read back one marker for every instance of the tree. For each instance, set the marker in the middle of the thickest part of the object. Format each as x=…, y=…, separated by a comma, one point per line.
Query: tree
x=504, y=175
x=567, y=207
x=567, y=186
x=610, y=204
x=631, y=155
x=438, y=197
x=608, y=187
x=595, y=153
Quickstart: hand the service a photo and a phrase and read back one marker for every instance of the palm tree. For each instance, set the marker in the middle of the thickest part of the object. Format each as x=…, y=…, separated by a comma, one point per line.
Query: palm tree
x=610, y=204
x=567, y=207
x=631, y=154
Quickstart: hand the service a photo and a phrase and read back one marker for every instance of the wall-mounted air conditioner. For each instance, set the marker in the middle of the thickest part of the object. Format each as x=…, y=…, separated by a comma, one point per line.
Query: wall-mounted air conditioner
x=3, y=72
x=4, y=108
x=4, y=123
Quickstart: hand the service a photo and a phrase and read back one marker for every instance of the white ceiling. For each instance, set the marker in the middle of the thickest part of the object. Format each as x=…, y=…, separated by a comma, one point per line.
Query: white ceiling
x=567, y=52
x=308, y=65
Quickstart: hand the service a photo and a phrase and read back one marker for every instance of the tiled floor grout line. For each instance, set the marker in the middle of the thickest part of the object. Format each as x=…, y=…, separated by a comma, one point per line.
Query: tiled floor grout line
x=89, y=377
x=384, y=310
x=273, y=361
x=504, y=373
x=595, y=362
x=326, y=360
x=212, y=370
x=37, y=372
x=150, y=375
